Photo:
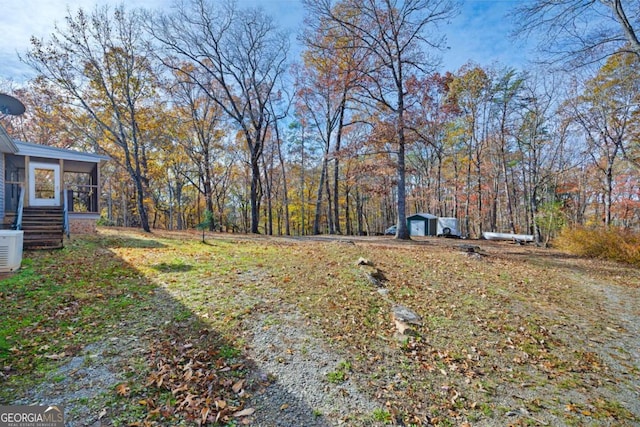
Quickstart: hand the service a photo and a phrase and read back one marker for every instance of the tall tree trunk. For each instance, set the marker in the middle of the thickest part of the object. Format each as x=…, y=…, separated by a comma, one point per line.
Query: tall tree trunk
x=360, y=213
x=347, y=212
x=142, y=210
x=336, y=164
x=608, y=200
x=507, y=192
x=402, y=232
x=302, y=195
x=268, y=184
x=441, y=208
x=479, y=195
x=332, y=227
x=255, y=189
x=467, y=203
x=316, y=222
x=285, y=190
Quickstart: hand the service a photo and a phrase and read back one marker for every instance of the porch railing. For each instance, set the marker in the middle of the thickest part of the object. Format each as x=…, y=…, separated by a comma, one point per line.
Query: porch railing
x=65, y=215
x=17, y=224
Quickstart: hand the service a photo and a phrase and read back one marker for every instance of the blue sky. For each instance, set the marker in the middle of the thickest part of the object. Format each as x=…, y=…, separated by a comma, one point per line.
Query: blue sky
x=479, y=34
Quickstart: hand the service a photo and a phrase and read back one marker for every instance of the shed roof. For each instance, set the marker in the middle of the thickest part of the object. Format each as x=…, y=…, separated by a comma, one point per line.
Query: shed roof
x=36, y=150
x=422, y=215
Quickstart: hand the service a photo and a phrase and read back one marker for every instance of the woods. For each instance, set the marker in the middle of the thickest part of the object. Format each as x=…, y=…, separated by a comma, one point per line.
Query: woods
x=205, y=109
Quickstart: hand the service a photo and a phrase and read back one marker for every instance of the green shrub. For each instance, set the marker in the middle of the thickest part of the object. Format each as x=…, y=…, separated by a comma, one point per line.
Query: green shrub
x=607, y=243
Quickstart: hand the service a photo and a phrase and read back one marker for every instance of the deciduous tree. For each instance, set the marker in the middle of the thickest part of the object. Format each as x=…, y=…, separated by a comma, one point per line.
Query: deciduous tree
x=581, y=31
x=238, y=59
x=99, y=64
x=395, y=35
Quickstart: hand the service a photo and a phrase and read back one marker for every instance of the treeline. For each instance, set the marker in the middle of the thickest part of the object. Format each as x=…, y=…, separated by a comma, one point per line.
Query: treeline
x=201, y=109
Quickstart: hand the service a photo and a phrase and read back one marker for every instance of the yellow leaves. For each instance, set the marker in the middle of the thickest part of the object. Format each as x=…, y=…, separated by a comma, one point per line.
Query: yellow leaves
x=572, y=407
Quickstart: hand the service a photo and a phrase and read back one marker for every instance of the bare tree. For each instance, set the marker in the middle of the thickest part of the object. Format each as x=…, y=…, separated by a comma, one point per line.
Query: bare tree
x=605, y=112
x=201, y=134
x=325, y=86
x=99, y=65
x=581, y=31
x=238, y=59
x=395, y=35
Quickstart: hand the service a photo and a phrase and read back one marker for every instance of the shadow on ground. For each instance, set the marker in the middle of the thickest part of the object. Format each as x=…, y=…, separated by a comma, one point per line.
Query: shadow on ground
x=112, y=347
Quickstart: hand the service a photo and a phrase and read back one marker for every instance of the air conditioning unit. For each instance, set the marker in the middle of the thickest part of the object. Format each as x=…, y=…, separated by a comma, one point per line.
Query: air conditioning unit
x=10, y=249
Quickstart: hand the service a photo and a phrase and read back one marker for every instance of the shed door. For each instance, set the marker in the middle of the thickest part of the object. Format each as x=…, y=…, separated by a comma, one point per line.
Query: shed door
x=417, y=228
x=44, y=184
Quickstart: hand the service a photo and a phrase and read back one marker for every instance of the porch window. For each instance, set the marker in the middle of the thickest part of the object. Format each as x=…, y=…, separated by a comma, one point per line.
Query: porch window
x=44, y=183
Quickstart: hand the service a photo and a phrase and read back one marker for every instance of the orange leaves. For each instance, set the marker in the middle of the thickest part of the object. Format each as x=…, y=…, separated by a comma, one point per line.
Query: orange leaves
x=123, y=389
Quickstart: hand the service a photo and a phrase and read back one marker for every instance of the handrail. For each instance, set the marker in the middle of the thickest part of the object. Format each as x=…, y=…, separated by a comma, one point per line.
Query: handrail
x=17, y=225
x=65, y=213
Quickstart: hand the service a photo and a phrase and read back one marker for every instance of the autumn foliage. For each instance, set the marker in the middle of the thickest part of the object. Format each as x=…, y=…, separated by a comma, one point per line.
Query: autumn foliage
x=608, y=243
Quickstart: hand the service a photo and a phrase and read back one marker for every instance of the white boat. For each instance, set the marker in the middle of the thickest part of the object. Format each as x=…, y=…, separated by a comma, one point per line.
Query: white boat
x=507, y=236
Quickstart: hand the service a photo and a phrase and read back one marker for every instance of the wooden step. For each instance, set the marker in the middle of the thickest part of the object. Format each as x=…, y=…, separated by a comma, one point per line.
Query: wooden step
x=43, y=228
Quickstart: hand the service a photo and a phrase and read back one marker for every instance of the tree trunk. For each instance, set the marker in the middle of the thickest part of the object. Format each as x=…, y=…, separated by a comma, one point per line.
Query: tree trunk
x=255, y=190
x=608, y=197
x=142, y=210
x=507, y=192
x=285, y=190
x=316, y=222
x=402, y=232
x=332, y=227
x=336, y=165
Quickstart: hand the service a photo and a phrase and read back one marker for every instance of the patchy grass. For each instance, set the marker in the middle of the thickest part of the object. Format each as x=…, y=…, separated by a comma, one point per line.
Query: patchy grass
x=517, y=337
x=62, y=300
x=340, y=374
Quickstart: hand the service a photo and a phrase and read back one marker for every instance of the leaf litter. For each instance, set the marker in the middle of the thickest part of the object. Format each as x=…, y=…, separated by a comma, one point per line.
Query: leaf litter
x=518, y=336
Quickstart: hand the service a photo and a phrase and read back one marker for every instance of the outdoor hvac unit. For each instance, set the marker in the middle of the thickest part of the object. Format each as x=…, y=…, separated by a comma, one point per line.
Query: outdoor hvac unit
x=10, y=250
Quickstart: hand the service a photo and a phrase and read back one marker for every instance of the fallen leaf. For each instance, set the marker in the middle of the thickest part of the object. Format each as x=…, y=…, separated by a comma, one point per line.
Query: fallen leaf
x=244, y=413
x=284, y=406
x=123, y=389
x=204, y=414
x=183, y=387
x=102, y=413
x=237, y=386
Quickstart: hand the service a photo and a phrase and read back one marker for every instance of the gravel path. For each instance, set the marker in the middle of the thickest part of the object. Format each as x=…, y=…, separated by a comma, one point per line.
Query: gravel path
x=623, y=352
x=293, y=364
x=83, y=378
